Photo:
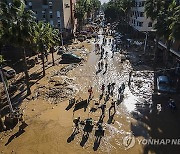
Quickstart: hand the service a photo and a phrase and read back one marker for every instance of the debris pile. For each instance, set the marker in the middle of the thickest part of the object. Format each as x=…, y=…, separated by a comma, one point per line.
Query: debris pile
x=143, y=84
x=64, y=70
x=59, y=87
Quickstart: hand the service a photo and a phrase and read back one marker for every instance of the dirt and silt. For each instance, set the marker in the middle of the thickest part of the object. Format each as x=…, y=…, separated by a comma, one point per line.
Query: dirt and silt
x=50, y=121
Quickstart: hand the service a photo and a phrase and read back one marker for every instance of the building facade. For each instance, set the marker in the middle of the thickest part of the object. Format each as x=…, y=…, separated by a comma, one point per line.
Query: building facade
x=138, y=19
x=59, y=13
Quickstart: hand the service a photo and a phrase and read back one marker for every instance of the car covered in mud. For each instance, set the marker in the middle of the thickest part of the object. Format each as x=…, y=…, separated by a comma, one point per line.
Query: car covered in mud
x=163, y=85
x=9, y=72
x=69, y=57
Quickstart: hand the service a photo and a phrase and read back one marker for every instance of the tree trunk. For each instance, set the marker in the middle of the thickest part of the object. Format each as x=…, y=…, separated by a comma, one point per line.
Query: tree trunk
x=52, y=52
x=80, y=24
x=26, y=72
x=42, y=57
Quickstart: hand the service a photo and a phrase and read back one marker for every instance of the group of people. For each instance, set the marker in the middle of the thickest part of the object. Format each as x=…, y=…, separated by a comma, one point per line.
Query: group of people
x=101, y=65
x=107, y=93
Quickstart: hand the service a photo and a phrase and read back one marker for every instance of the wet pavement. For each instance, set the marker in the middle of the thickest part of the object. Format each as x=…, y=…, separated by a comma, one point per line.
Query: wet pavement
x=133, y=112
x=117, y=72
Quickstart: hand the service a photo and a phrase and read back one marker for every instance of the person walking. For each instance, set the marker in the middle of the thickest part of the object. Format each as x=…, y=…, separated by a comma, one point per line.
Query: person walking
x=103, y=107
x=112, y=88
x=119, y=92
x=103, y=88
x=99, y=65
x=102, y=64
x=106, y=54
x=112, y=107
x=90, y=91
x=123, y=87
x=101, y=47
x=109, y=88
x=129, y=81
x=106, y=65
x=109, y=41
x=76, y=122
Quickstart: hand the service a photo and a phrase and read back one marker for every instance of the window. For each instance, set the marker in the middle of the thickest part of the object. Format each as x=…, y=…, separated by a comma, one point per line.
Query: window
x=141, y=14
x=50, y=5
x=51, y=22
x=142, y=3
x=150, y=24
x=140, y=24
x=43, y=14
x=59, y=23
x=58, y=14
x=50, y=14
x=67, y=5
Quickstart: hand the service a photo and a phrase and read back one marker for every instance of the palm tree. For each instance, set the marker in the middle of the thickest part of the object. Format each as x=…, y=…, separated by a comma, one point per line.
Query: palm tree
x=96, y=4
x=175, y=21
x=55, y=40
x=161, y=12
x=152, y=9
x=88, y=7
x=17, y=27
x=43, y=35
x=79, y=12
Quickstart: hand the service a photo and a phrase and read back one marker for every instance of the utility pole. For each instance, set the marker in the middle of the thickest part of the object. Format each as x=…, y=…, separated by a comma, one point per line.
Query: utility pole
x=6, y=90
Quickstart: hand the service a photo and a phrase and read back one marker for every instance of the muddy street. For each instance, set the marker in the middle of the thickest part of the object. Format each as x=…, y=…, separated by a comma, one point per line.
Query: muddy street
x=118, y=115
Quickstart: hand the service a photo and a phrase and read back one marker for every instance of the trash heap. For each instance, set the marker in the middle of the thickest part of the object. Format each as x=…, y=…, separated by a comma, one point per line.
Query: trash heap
x=142, y=84
x=59, y=87
x=64, y=70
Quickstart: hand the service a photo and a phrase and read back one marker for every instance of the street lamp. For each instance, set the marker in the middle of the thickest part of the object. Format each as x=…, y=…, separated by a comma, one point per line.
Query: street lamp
x=145, y=43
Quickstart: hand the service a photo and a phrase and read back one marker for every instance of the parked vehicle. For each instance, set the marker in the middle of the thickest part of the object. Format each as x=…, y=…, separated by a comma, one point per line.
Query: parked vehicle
x=69, y=57
x=84, y=32
x=163, y=85
x=81, y=38
x=9, y=72
x=60, y=51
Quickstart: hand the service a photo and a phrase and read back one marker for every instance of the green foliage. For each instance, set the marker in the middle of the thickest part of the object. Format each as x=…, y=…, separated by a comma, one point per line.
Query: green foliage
x=45, y=36
x=117, y=9
x=166, y=13
x=1, y=60
x=85, y=6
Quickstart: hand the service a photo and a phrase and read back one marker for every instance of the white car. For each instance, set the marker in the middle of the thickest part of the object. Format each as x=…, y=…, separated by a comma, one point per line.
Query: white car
x=9, y=72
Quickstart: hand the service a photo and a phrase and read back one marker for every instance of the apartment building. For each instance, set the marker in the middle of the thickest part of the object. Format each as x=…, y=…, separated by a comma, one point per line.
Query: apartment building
x=59, y=13
x=138, y=19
